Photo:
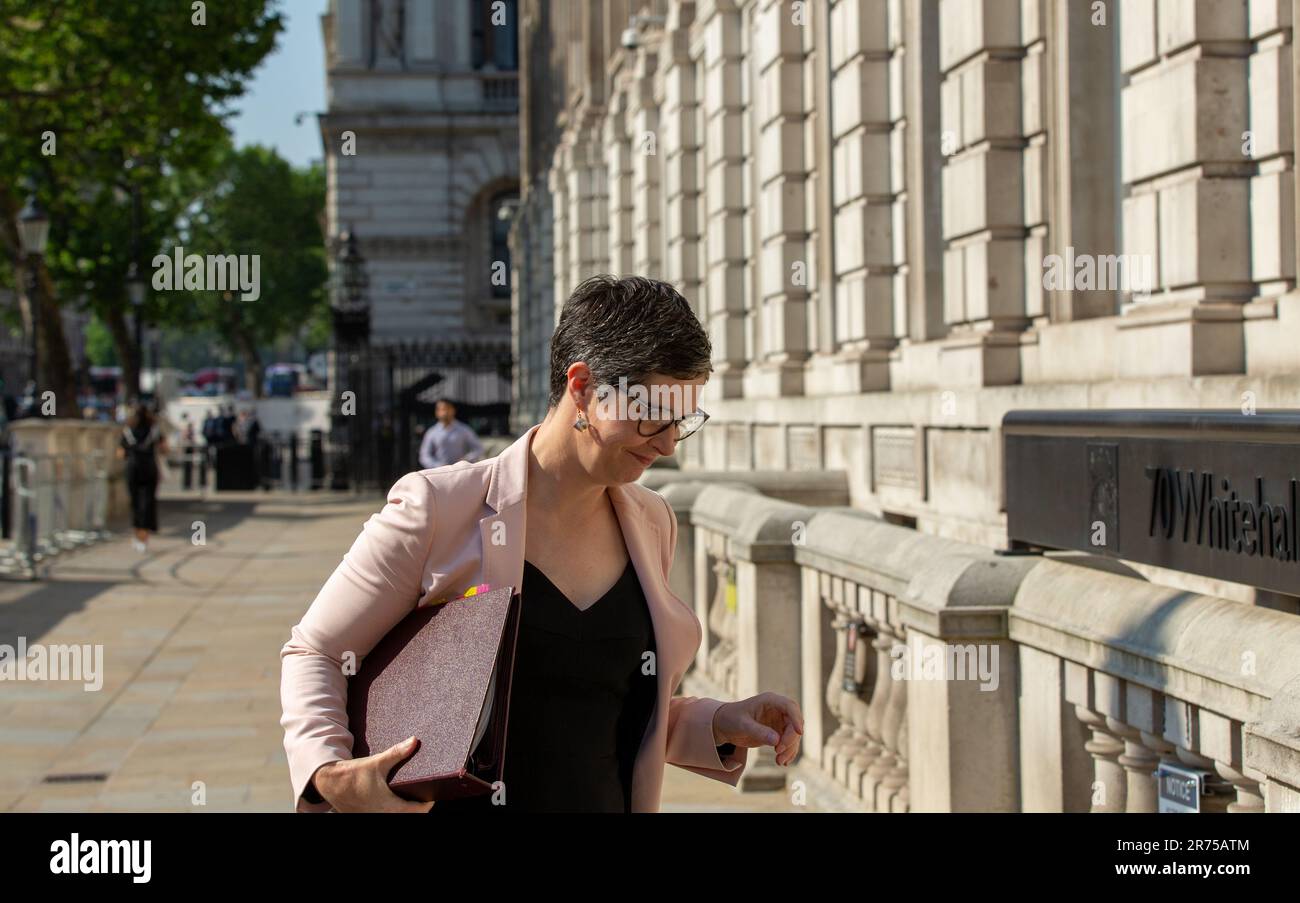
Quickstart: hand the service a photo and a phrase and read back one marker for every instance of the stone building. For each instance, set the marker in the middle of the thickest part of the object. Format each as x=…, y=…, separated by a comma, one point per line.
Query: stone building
x=900, y=221
x=422, y=158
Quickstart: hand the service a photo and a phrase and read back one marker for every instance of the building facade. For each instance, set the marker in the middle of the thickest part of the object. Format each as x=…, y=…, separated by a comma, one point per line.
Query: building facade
x=422, y=158
x=900, y=221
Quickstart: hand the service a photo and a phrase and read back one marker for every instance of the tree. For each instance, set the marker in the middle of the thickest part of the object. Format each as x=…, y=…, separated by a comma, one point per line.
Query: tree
x=100, y=102
x=258, y=205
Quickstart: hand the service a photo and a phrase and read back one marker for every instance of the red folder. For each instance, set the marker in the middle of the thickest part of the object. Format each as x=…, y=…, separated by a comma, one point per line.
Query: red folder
x=442, y=675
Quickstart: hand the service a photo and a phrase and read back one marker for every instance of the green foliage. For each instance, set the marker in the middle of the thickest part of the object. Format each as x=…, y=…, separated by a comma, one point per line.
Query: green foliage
x=132, y=98
x=99, y=345
x=258, y=204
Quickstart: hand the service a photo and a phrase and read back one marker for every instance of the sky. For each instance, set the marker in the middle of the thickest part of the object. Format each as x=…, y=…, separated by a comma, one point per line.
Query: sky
x=291, y=79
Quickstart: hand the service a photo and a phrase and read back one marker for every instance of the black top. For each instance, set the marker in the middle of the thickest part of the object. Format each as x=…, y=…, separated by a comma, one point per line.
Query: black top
x=580, y=701
x=140, y=443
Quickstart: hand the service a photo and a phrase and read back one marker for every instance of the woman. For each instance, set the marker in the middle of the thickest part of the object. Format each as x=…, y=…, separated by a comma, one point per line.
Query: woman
x=603, y=642
x=142, y=441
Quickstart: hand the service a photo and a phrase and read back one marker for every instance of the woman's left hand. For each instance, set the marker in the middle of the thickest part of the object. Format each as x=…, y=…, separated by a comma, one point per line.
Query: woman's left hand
x=768, y=719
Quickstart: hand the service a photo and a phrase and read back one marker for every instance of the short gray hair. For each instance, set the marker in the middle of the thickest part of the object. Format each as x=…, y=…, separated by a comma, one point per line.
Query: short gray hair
x=628, y=327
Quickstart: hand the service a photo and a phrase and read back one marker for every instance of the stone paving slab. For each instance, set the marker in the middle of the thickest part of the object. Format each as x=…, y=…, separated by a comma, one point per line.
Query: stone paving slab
x=191, y=635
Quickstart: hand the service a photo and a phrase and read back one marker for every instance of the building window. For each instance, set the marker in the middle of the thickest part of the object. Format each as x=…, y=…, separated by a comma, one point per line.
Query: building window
x=500, y=213
x=495, y=43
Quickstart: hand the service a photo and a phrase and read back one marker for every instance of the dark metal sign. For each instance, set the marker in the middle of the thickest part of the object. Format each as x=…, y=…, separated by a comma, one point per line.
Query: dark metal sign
x=1215, y=493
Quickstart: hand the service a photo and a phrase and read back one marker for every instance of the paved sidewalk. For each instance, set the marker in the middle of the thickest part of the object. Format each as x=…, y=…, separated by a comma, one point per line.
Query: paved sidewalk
x=187, y=718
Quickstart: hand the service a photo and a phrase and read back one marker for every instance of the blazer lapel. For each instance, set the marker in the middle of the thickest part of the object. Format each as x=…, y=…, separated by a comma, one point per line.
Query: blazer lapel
x=501, y=529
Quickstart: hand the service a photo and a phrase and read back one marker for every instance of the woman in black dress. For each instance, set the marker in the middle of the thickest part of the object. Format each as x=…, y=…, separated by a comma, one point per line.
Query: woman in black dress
x=602, y=641
x=141, y=443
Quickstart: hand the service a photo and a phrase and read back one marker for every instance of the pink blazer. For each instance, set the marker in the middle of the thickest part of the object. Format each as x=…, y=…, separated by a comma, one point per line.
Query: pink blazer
x=433, y=539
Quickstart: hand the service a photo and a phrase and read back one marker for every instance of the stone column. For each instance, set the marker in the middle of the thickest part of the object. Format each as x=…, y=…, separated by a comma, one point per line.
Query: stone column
x=558, y=181
x=1187, y=217
x=588, y=216
x=644, y=132
x=680, y=151
x=780, y=216
x=351, y=33
x=1055, y=770
x=718, y=41
x=981, y=53
x=866, y=83
x=1072, y=185
x=618, y=163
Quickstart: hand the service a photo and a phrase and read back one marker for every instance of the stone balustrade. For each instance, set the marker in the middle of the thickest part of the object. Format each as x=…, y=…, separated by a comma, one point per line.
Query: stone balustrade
x=936, y=675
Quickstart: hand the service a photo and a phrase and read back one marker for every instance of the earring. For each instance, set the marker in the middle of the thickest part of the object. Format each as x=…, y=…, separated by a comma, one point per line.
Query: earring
x=581, y=423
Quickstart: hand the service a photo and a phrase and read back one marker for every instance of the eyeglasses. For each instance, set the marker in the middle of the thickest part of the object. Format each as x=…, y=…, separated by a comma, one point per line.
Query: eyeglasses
x=686, y=425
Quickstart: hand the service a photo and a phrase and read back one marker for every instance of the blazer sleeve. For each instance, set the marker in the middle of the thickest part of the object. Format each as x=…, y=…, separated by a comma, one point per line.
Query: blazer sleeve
x=690, y=718
x=378, y=582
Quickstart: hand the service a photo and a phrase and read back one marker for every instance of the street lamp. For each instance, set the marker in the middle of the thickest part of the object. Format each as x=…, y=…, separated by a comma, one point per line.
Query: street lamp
x=135, y=289
x=351, y=331
x=351, y=281
x=33, y=233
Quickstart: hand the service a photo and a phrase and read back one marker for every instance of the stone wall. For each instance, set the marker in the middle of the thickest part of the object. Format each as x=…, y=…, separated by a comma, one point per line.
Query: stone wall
x=900, y=220
x=418, y=144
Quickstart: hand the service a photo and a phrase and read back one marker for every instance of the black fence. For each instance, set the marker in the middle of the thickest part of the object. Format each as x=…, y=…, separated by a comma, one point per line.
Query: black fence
x=393, y=390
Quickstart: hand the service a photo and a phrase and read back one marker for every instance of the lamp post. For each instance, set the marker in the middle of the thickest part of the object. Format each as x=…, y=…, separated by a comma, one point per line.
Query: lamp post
x=350, y=308
x=33, y=233
x=135, y=288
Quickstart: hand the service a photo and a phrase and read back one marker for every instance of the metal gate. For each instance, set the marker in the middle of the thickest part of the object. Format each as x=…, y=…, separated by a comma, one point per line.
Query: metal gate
x=394, y=390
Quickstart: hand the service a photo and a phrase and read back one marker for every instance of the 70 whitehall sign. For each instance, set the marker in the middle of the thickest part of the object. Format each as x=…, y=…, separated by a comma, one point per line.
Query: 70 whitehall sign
x=1215, y=493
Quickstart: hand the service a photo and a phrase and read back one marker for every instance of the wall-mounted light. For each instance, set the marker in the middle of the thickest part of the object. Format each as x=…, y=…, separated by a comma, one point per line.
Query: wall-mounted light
x=632, y=34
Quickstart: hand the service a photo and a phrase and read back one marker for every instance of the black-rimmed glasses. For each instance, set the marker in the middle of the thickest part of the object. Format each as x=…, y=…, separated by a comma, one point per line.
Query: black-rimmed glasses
x=687, y=425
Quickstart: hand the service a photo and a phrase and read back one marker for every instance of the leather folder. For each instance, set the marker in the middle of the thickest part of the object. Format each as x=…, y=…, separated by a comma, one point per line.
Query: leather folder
x=442, y=674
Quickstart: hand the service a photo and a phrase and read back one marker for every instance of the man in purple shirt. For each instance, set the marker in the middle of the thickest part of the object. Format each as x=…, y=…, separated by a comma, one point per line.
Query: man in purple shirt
x=448, y=440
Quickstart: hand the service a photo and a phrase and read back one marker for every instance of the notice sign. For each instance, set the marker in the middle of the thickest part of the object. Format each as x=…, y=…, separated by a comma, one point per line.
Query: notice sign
x=1178, y=789
x=1215, y=493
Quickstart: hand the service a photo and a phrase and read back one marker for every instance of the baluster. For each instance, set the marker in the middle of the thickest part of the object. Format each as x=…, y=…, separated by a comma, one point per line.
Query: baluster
x=1105, y=750
x=1250, y=797
x=1139, y=764
x=892, y=712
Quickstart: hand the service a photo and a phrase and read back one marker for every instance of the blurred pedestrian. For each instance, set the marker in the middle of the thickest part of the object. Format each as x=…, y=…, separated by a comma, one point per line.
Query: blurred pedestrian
x=448, y=440
x=141, y=444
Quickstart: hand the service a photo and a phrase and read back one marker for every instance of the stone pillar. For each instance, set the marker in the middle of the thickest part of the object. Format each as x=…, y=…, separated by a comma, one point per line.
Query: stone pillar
x=421, y=34
x=923, y=170
x=643, y=130
x=351, y=33
x=558, y=179
x=618, y=163
x=1271, y=749
x=1186, y=111
x=718, y=30
x=680, y=151
x=869, y=242
x=780, y=216
x=459, y=23
x=1055, y=769
x=820, y=657
x=1072, y=174
x=981, y=54
x=588, y=215
x=767, y=659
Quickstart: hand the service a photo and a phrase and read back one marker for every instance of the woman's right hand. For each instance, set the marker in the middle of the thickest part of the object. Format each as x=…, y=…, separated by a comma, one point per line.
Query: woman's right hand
x=361, y=785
